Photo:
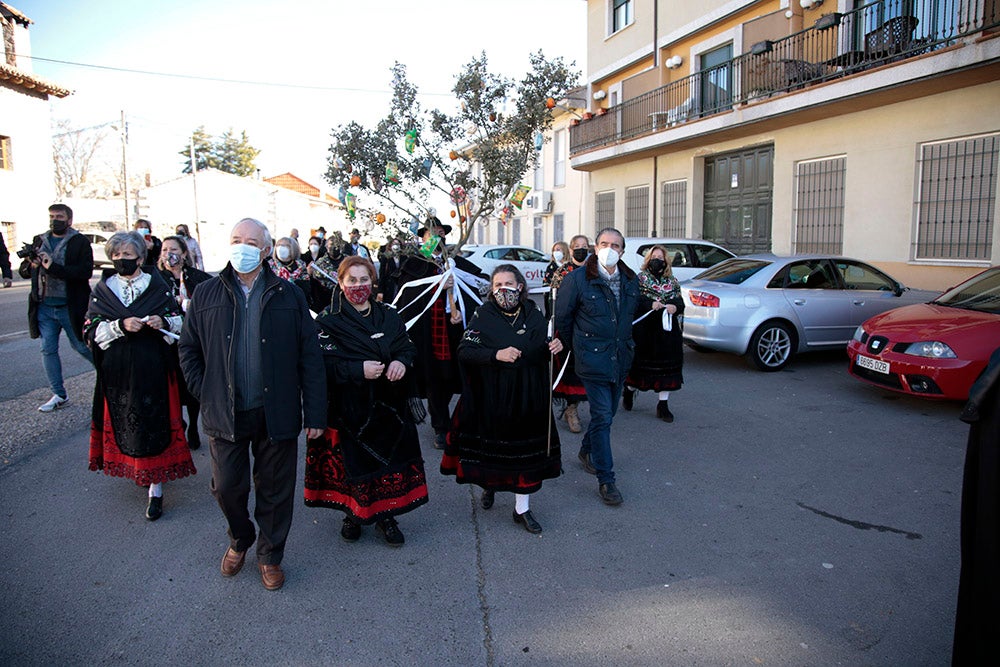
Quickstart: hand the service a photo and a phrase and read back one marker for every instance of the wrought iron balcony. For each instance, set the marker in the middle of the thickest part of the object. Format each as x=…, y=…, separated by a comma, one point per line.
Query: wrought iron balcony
x=837, y=45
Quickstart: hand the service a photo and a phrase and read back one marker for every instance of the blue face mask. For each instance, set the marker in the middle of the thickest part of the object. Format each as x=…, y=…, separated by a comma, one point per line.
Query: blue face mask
x=244, y=258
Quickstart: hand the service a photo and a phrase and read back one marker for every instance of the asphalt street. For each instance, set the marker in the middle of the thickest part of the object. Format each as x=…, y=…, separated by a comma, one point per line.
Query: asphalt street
x=795, y=518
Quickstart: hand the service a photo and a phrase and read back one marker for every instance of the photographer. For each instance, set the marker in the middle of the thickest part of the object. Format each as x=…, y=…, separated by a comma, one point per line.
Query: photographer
x=5, y=263
x=59, y=264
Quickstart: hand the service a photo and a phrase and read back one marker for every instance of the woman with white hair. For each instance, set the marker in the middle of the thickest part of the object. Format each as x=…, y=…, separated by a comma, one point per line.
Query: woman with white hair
x=285, y=263
x=136, y=429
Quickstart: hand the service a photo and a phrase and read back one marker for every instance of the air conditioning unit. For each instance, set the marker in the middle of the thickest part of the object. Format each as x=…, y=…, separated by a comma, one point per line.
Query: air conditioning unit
x=546, y=203
x=530, y=202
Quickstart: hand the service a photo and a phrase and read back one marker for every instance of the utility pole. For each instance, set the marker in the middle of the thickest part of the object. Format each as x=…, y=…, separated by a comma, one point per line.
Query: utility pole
x=124, y=129
x=194, y=185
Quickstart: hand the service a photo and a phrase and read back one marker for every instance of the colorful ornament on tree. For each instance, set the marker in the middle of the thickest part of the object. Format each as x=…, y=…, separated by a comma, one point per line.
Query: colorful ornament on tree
x=338, y=163
x=457, y=194
x=425, y=168
x=355, y=180
x=352, y=206
x=380, y=218
x=453, y=155
x=520, y=192
x=428, y=247
x=342, y=195
x=453, y=214
x=410, y=141
x=392, y=173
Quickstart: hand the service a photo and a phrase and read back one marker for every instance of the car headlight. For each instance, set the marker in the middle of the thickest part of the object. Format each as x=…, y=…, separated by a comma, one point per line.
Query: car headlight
x=859, y=333
x=930, y=348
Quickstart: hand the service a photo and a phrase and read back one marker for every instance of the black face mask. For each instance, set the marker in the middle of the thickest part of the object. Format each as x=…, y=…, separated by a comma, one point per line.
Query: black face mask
x=334, y=252
x=580, y=254
x=59, y=226
x=657, y=267
x=125, y=267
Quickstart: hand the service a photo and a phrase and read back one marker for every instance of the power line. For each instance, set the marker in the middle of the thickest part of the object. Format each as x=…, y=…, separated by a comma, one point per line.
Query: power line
x=243, y=82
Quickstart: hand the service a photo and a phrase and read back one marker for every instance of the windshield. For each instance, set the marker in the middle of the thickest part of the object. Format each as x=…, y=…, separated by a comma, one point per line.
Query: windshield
x=733, y=271
x=982, y=293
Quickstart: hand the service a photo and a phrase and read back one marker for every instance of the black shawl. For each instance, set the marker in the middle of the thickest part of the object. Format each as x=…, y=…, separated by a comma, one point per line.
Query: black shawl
x=132, y=374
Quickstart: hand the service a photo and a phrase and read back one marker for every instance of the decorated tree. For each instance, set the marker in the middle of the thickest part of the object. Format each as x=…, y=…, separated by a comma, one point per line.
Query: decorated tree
x=476, y=155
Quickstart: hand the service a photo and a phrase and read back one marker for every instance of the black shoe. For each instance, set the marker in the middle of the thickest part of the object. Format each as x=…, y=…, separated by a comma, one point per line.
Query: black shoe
x=393, y=535
x=528, y=522
x=487, y=499
x=610, y=494
x=628, y=398
x=663, y=412
x=587, y=465
x=350, y=531
x=439, y=439
x=154, y=510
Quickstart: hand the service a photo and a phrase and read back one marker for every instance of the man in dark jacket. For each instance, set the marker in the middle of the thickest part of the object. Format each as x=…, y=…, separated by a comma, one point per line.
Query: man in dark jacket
x=594, y=311
x=60, y=293
x=5, y=264
x=250, y=355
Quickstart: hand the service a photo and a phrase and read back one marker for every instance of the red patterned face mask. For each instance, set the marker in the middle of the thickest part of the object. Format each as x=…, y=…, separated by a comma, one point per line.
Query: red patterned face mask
x=358, y=294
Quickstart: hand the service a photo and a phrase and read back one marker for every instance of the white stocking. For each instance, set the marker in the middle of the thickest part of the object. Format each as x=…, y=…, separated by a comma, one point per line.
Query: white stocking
x=156, y=490
x=521, y=502
x=664, y=395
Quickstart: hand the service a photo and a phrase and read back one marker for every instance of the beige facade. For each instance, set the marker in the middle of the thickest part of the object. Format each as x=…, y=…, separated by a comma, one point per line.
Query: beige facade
x=851, y=125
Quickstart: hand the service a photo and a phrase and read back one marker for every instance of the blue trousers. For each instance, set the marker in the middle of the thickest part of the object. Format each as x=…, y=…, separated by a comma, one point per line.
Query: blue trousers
x=52, y=320
x=603, y=398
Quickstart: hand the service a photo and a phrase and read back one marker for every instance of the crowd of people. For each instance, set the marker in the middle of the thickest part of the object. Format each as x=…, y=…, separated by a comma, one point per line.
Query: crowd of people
x=280, y=341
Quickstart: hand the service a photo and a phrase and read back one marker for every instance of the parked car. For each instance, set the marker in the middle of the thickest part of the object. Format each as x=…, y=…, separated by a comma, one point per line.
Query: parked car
x=936, y=349
x=97, y=241
x=531, y=262
x=689, y=257
x=771, y=308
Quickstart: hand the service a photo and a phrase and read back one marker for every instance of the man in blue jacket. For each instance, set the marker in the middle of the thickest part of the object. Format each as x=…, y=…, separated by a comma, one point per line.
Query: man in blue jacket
x=594, y=312
x=250, y=354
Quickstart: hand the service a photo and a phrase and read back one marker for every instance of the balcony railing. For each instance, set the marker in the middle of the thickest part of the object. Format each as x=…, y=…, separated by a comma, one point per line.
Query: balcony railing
x=869, y=36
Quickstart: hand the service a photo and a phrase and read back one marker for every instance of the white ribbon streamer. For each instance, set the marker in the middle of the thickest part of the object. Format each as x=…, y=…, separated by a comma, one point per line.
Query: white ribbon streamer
x=563, y=370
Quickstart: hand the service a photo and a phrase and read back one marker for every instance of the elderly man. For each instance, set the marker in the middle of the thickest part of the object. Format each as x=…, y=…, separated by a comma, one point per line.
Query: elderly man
x=594, y=311
x=60, y=273
x=250, y=355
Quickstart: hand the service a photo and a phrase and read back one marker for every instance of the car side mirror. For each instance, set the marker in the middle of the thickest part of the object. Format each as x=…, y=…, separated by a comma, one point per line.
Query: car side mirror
x=899, y=290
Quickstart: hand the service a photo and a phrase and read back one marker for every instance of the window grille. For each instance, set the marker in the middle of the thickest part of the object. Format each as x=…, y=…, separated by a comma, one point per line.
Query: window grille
x=637, y=211
x=673, y=211
x=537, y=237
x=604, y=210
x=559, y=158
x=558, y=220
x=5, y=158
x=516, y=231
x=819, y=205
x=956, y=201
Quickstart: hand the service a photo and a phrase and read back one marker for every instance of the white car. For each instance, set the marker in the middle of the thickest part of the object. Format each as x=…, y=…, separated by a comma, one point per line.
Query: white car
x=531, y=262
x=689, y=256
x=97, y=240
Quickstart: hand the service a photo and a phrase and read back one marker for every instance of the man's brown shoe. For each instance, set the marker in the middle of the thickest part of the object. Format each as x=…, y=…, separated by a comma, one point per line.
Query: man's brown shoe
x=272, y=576
x=232, y=562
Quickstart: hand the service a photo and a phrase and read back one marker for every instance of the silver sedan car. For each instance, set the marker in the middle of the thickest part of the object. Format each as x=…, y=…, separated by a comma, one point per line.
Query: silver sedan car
x=771, y=308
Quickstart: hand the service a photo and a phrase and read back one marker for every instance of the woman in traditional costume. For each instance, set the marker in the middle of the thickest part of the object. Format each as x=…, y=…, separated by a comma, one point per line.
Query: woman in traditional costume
x=176, y=268
x=287, y=265
x=659, y=344
x=570, y=388
x=560, y=256
x=136, y=429
x=368, y=463
x=503, y=436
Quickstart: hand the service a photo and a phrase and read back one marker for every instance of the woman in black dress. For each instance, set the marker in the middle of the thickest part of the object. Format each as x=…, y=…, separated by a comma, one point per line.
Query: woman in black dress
x=659, y=344
x=176, y=268
x=368, y=463
x=503, y=436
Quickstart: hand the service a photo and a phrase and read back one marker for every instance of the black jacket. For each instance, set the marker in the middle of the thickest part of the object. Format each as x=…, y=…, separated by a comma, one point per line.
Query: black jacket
x=294, y=376
x=598, y=326
x=76, y=272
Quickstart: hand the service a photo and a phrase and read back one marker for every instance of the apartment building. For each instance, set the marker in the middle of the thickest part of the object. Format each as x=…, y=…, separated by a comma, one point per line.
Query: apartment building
x=868, y=129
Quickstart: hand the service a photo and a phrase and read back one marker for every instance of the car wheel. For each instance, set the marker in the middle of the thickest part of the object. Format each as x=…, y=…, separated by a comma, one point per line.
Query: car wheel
x=772, y=346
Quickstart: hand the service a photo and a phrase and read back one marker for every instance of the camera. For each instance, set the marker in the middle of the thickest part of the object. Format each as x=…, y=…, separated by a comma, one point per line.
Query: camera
x=28, y=251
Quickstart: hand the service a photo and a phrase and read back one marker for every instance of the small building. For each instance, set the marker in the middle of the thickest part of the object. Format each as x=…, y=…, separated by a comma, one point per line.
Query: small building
x=210, y=202
x=27, y=185
x=868, y=129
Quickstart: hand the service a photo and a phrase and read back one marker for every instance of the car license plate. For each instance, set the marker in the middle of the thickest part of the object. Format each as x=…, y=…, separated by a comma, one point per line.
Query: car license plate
x=873, y=364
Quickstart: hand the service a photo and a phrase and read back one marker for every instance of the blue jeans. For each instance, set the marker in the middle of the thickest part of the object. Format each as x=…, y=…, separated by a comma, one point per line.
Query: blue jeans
x=603, y=398
x=50, y=320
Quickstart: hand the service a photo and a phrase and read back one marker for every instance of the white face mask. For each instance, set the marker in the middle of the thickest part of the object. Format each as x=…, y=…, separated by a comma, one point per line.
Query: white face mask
x=608, y=257
x=557, y=255
x=244, y=258
x=314, y=249
x=284, y=253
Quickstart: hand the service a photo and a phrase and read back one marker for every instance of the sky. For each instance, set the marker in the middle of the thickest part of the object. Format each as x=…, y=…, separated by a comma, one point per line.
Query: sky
x=338, y=52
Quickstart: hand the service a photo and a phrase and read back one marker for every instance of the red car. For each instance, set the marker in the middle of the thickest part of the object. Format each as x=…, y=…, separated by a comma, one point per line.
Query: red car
x=936, y=349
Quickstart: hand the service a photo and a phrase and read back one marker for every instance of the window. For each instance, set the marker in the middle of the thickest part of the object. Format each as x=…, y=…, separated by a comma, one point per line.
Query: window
x=537, y=224
x=637, y=211
x=819, y=206
x=559, y=158
x=501, y=232
x=516, y=236
x=673, y=214
x=5, y=159
x=558, y=220
x=809, y=274
x=604, y=210
x=621, y=14
x=539, y=175
x=863, y=277
x=479, y=234
x=957, y=198
x=716, y=74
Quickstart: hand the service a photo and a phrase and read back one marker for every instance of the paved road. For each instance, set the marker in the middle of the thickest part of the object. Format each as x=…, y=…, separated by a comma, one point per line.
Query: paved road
x=795, y=518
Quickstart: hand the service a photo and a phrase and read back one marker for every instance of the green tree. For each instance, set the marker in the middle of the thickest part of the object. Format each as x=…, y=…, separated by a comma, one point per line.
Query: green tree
x=481, y=150
x=230, y=153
